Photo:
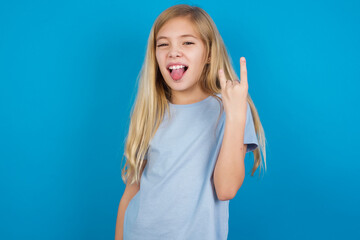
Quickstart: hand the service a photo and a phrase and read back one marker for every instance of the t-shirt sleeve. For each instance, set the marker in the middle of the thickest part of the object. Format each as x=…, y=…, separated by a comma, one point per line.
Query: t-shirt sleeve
x=249, y=134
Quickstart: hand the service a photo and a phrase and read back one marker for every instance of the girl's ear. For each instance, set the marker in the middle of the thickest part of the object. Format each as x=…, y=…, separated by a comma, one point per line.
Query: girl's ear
x=208, y=61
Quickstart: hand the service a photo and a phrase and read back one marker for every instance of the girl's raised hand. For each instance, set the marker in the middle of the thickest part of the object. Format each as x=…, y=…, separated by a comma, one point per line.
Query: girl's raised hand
x=234, y=94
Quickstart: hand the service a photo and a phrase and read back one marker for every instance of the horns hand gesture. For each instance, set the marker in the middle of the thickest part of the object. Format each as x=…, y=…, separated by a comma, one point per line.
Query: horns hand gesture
x=234, y=93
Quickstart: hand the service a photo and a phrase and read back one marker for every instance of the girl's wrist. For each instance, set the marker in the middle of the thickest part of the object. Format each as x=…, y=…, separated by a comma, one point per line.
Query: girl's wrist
x=236, y=118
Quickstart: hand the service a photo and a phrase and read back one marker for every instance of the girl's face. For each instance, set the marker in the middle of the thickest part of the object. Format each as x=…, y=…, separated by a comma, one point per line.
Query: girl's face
x=181, y=56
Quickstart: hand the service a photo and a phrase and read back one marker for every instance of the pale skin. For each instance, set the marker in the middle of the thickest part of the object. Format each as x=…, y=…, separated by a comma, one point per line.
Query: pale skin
x=178, y=41
x=129, y=192
x=172, y=47
x=229, y=172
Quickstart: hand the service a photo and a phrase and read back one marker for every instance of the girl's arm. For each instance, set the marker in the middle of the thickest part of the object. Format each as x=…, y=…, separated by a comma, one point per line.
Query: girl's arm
x=229, y=172
x=129, y=193
x=120, y=219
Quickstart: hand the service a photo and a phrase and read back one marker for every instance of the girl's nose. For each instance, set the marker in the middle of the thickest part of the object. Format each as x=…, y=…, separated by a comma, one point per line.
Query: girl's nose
x=174, y=52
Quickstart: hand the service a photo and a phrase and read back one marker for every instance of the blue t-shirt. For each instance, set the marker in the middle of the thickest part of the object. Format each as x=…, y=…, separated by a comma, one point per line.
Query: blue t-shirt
x=177, y=198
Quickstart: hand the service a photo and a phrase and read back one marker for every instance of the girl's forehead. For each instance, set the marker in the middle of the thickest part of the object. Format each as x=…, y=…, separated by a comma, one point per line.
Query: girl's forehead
x=178, y=27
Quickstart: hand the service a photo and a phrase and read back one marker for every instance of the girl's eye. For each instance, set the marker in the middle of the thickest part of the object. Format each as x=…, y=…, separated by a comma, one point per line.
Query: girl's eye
x=164, y=44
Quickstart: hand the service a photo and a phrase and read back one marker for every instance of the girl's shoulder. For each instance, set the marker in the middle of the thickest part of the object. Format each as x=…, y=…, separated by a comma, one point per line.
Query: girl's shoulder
x=218, y=94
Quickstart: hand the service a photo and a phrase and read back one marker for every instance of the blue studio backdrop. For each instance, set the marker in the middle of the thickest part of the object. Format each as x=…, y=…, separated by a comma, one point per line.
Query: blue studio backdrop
x=68, y=74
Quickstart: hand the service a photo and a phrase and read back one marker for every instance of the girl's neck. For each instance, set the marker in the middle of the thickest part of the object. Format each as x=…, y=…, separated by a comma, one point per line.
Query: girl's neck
x=188, y=99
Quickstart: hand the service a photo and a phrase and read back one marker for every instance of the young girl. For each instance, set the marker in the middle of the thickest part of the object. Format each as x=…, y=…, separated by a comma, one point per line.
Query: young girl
x=191, y=126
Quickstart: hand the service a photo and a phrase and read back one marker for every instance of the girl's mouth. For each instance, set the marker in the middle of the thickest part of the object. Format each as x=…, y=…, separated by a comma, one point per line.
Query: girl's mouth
x=177, y=72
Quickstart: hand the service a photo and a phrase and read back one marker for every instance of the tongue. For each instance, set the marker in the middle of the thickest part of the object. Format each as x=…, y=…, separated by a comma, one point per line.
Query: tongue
x=176, y=74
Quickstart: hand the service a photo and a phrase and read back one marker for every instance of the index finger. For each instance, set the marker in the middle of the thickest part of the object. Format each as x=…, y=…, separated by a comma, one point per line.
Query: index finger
x=243, y=71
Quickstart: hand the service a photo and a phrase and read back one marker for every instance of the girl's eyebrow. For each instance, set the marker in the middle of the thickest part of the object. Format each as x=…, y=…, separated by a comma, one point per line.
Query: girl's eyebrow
x=184, y=35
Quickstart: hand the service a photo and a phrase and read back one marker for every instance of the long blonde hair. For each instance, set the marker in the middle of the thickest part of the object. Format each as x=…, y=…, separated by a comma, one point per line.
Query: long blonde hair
x=151, y=101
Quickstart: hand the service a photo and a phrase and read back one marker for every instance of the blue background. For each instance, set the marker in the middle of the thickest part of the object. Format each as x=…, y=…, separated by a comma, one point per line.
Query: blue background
x=68, y=74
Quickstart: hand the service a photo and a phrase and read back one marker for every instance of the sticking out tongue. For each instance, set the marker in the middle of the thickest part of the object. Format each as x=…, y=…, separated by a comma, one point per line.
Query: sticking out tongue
x=176, y=74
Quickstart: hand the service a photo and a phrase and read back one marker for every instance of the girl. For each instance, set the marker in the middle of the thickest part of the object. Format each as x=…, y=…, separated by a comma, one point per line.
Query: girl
x=190, y=129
